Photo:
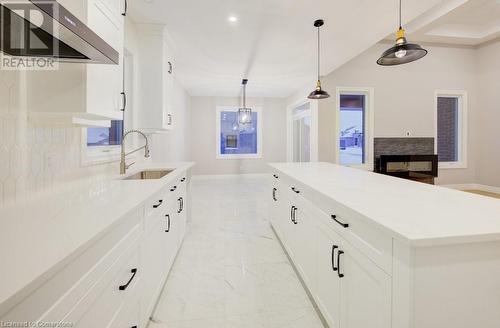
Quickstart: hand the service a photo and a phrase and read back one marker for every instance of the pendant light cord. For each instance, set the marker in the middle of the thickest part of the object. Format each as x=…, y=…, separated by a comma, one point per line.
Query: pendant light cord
x=319, y=67
x=400, y=10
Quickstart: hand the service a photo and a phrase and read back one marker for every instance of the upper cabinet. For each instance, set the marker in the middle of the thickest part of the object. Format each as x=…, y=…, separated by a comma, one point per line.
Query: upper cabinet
x=156, y=79
x=83, y=94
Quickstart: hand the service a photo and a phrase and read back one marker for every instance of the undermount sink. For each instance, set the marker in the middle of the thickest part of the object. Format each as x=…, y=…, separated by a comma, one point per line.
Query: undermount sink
x=148, y=175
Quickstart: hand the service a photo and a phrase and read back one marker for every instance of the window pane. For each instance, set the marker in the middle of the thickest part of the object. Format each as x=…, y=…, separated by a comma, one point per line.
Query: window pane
x=105, y=136
x=447, y=129
x=352, y=129
x=235, y=138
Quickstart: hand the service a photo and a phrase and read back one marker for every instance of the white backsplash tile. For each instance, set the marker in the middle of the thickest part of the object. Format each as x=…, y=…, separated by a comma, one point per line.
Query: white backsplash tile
x=36, y=159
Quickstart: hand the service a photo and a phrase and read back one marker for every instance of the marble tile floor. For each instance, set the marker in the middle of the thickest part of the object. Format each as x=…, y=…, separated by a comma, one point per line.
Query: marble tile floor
x=231, y=270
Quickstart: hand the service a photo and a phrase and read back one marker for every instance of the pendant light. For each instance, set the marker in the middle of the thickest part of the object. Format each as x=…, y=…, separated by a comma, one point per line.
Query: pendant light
x=318, y=93
x=402, y=52
x=244, y=113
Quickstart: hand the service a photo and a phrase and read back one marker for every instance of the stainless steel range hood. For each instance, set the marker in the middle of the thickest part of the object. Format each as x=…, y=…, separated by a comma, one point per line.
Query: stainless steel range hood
x=44, y=28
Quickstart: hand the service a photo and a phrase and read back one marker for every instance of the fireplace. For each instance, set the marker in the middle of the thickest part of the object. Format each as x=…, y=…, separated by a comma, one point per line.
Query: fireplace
x=422, y=168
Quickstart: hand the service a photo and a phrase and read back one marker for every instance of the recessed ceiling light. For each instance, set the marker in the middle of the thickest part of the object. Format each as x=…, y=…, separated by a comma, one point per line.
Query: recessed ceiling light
x=232, y=19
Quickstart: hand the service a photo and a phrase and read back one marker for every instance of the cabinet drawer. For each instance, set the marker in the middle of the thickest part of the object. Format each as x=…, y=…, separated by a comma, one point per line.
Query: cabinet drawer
x=61, y=292
x=369, y=240
x=102, y=304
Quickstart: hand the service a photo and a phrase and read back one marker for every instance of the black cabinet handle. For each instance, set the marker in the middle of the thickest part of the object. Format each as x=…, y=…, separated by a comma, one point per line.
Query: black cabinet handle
x=125, y=9
x=275, y=176
x=169, y=119
x=341, y=275
x=295, y=215
x=295, y=190
x=159, y=204
x=168, y=222
x=124, y=101
x=180, y=204
x=173, y=188
x=134, y=272
x=274, y=194
x=183, y=179
x=170, y=68
x=334, y=247
x=291, y=214
x=345, y=225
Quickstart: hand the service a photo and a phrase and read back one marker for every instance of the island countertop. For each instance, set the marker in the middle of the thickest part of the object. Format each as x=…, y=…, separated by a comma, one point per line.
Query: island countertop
x=417, y=213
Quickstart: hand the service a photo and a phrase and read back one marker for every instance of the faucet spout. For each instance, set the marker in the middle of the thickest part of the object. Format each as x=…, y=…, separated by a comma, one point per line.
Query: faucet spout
x=123, y=154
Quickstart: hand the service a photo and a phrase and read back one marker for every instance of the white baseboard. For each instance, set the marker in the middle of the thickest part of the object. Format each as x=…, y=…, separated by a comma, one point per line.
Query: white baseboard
x=473, y=186
x=204, y=177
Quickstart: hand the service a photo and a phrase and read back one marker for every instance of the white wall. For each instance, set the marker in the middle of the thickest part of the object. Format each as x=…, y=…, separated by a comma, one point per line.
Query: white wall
x=404, y=98
x=488, y=161
x=203, y=136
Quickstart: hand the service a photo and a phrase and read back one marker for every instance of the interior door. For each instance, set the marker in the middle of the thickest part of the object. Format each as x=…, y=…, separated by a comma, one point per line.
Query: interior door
x=328, y=288
x=301, y=133
x=365, y=290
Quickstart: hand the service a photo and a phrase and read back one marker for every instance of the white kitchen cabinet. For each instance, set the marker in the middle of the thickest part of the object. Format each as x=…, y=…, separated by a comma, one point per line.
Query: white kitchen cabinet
x=82, y=94
x=365, y=291
x=350, y=289
x=328, y=293
x=156, y=79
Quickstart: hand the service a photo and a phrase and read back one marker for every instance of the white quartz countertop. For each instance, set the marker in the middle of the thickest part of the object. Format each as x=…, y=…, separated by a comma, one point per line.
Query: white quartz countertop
x=37, y=236
x=420, y=214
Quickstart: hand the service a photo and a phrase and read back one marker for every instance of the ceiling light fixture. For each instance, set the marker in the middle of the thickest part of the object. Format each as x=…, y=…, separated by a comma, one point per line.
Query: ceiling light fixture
x=402, y=52
x=318, y=93
x=244, y=113
x=232, y=19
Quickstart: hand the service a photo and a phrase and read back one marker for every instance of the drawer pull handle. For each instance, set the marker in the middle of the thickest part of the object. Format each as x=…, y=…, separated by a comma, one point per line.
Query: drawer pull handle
x=295, y=215
x=183, y=179
x=168, y=222
x=295, y=190
x=159, y=203
x=275, y=176
x=173, y=188
x=345, y=225
x=341, y=275
x=334, y=247
x=274, y=194
x=134, y=272
x=181, y=205
x=292, y=213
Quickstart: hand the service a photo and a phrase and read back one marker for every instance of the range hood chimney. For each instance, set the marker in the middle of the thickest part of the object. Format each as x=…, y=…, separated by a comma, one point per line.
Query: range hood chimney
x=59, y=35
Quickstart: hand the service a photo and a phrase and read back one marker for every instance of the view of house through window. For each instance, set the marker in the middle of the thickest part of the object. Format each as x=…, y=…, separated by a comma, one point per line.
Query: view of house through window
x=352, y=129
x=111, y=136
x=237, y=139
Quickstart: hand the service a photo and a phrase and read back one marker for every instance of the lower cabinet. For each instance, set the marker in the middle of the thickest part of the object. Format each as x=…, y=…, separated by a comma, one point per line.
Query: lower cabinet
x=350, y=290
x=116, y=281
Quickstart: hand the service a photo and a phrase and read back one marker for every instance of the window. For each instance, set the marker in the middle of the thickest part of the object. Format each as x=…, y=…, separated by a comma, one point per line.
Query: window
x=111, y=136
x=238, y=140
x=451, y=128
x=354, y=117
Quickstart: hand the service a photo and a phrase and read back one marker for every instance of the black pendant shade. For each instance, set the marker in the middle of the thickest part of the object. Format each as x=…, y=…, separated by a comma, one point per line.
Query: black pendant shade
x=402, y=52
x=318, y=93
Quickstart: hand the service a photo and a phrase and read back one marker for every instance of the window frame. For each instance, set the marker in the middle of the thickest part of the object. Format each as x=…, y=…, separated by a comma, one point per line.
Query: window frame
x=369, y=124
x=218, y=111
x=463, y=124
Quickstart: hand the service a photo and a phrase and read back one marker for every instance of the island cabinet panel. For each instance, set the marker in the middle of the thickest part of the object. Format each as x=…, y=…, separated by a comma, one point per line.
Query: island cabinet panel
x=328, y=294
x=348, y=280
x=365, y=291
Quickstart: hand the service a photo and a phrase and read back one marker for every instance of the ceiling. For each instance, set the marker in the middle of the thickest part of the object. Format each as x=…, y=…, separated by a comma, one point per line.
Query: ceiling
x=470, y=23
x=273, y=44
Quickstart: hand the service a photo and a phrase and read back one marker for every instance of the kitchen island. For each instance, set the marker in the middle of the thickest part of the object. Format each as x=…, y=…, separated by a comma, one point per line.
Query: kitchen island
x=377, y=251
